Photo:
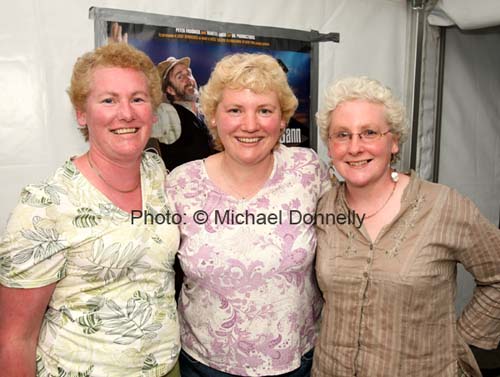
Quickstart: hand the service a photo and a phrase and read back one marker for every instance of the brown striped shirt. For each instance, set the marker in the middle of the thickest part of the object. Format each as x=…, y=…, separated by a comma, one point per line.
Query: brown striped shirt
x=389, y=305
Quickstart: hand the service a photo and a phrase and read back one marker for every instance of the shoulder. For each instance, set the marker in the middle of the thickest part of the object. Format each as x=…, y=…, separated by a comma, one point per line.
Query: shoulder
x=191, y=171
x=433, y=191
x=152, y=159
x=186, y=183
x=327, y=201
x=298, y=159
x=459, y=217
x=305, y=167
x=153, y=167
x=40, y=205
x=181, y=110
x=167, y=109
x=297, y=153
x=444, y=200
x=167, y=128
x=49, y=192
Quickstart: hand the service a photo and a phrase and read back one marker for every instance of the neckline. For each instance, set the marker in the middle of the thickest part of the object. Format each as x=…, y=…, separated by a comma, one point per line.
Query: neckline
x=95, y=169
x=102, y=196
x=221, y=192
x=368, y=216
x=408, y=191
x=407, y=197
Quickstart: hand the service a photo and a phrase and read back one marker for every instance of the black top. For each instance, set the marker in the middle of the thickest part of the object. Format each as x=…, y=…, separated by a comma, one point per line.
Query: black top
x=194, y=143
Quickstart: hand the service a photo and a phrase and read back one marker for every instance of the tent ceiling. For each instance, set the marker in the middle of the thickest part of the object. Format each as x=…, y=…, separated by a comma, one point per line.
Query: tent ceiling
x=466, y=14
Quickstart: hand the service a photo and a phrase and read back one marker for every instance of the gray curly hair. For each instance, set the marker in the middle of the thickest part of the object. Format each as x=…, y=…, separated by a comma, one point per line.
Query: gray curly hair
x=363, y=88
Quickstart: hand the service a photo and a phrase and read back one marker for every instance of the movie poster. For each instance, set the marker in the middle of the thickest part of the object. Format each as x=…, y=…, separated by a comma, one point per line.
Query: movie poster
x=205, y=42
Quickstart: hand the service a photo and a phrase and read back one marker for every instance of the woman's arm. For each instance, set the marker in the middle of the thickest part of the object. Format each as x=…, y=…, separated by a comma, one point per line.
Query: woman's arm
x=21, y=314
x=479, y=323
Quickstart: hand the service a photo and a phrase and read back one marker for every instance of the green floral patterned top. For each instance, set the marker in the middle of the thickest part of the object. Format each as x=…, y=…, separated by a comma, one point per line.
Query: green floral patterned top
x=113, y=311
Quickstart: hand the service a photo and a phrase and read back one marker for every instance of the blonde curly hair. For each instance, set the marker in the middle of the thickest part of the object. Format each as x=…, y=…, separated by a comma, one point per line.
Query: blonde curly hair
x=257, y=72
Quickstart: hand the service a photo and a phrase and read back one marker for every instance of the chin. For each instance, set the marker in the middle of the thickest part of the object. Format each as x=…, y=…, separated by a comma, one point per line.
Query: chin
x=358, y=180
x=254, y=159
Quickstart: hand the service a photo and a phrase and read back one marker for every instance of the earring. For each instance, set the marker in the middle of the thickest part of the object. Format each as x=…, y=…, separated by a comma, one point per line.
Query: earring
x=394, y=176
x=394, y=158
x=332, y=172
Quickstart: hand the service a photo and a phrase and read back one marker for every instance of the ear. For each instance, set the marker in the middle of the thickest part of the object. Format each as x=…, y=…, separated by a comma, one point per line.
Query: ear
x=170, y=91
x=282, y=125
x=155, y=118
x=395, y=145
x=81, y=117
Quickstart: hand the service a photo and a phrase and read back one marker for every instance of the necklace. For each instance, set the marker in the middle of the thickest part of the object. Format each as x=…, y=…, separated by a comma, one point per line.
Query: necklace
x=383, y=205
x=106, y=182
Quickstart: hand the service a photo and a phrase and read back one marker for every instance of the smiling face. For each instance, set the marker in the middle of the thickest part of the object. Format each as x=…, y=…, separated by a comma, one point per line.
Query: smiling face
x=248, y=124
x=118, y=113
x=182, y=85
x=361, y=163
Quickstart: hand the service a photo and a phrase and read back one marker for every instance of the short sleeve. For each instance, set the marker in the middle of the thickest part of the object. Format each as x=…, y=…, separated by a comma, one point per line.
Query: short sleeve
x=32, y=250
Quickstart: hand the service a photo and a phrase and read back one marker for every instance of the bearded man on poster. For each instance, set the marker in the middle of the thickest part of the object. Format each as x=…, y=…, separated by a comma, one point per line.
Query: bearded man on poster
x=180, y=130
x=180, y=135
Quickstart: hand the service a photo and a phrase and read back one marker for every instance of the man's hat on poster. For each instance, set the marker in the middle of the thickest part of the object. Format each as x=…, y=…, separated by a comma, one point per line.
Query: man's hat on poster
x=165, y=66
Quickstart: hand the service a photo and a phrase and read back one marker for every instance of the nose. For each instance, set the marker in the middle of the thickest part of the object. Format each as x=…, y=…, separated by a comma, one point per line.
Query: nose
x=186, y=78
x=354, y=145
x=250, y=123
x=125, y=111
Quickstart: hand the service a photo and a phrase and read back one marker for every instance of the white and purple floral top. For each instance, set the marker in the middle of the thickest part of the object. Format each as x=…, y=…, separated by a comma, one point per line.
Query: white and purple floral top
x=249, y=303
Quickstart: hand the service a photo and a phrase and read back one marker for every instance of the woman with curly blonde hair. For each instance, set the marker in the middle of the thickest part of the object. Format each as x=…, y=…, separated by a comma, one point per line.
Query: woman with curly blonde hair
x=249, y=304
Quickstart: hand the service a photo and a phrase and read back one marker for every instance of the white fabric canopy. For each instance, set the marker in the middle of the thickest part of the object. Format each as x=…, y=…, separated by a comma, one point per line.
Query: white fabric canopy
x=466, y=14
x=470, y=135
x=40, y=41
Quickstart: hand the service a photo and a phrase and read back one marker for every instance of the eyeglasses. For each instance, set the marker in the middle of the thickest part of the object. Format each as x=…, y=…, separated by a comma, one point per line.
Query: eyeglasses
x=366, y=136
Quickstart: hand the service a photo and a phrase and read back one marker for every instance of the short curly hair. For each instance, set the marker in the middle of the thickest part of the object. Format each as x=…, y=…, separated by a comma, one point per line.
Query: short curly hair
x=363, y=88
x=119, y=55
x=257, y=72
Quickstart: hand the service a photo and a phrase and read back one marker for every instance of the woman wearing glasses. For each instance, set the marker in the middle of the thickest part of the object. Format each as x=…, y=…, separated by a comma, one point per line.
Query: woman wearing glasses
x=389, y=286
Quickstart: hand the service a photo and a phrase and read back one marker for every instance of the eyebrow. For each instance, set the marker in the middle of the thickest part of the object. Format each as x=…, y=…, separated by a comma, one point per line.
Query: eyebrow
x=237, y=104
x=188, y=70
x=115, y=94
x=362, y=127
x=140, y=92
